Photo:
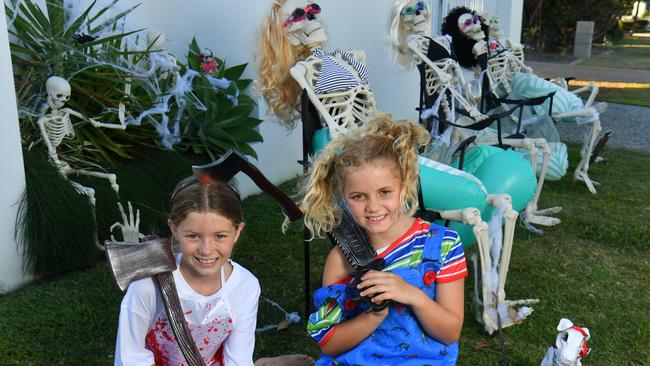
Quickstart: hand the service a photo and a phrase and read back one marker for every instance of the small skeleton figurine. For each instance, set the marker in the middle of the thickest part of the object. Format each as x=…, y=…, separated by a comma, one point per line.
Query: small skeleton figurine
x=56, y=126
x=570, y=345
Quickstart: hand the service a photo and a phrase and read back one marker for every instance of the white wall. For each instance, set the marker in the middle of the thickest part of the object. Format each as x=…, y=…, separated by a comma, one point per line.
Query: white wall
x=13, y=171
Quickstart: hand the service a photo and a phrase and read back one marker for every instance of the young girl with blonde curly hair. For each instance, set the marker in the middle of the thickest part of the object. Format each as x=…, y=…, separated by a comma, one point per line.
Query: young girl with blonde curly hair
x=374, y=169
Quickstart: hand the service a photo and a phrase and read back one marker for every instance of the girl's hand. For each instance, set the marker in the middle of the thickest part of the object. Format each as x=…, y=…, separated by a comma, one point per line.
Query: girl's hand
x=389, y=286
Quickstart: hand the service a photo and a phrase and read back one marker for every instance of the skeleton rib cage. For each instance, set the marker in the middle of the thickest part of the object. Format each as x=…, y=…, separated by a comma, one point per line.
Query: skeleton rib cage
x=340, y=110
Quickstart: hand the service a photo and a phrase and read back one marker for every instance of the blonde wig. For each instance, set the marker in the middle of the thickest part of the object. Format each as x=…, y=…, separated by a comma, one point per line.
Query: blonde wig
x=276, y=56
x=398, y=36
x=377, y=140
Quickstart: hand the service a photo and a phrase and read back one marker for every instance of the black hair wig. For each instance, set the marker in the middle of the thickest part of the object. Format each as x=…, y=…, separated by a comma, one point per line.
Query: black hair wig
x=461, y=45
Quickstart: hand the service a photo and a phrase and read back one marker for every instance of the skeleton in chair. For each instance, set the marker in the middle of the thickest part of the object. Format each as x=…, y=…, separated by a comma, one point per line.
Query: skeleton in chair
x=443, y=81
x=471, y=49
x=508, y=75
x=56, y=126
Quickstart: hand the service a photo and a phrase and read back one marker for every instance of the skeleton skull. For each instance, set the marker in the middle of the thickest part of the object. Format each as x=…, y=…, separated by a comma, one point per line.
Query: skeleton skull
x=415, y=17
x=58, y=91
x=305, y=29
x=470, y=25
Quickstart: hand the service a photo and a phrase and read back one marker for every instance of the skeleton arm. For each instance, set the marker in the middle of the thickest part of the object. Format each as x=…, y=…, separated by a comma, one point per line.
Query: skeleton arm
x=120, y=126
x=415, y=46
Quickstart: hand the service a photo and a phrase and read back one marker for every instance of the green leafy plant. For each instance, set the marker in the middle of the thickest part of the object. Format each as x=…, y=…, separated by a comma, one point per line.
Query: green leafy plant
x=89, y=52
x=226, y=120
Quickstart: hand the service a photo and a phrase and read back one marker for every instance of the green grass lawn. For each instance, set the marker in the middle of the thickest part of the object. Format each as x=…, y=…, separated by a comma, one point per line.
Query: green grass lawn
x=630, y=53
x=593, y=268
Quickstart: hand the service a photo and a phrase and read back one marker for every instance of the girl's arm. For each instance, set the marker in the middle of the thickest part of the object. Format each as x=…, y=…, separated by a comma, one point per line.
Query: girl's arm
x=238, y=347
x=136, y=313
x=351, y=332
x=441, y=319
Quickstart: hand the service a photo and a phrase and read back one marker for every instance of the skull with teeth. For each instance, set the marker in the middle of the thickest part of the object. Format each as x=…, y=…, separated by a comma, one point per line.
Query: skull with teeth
x=470, y=25
x=415, y=17
x=302, y=24
x=58, y=91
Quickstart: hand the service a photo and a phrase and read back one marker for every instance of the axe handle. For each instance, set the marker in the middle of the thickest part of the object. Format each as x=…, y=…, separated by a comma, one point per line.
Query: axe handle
x=176, y=318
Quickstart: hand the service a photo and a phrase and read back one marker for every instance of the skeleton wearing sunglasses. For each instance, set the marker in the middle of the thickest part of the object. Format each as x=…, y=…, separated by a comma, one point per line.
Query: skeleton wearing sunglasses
x=289, y=33
x=340, y=109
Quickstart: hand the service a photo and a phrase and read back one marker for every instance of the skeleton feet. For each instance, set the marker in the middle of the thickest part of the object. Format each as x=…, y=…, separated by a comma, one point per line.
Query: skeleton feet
x=508, y=312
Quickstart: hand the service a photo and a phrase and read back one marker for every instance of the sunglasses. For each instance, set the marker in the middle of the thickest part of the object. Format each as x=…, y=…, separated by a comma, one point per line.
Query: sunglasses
x=473, y=20
x=410, y=10
x=299, y=15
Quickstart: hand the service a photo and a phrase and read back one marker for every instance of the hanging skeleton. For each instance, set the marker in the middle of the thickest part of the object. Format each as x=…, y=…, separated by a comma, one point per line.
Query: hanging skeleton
x=56, y=125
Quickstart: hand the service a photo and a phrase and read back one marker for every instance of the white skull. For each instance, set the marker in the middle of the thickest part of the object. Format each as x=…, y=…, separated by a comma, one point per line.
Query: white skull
x=470, y=25
x=58, y=91
x=308, y=31
x=415, y=17
x=156, y=40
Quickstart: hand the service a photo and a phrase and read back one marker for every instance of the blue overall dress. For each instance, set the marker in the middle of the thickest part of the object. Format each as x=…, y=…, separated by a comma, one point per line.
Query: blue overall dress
x=399, y=339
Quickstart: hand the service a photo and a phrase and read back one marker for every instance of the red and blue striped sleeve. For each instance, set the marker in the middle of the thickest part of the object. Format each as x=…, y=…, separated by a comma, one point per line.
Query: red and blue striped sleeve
x=454, y=266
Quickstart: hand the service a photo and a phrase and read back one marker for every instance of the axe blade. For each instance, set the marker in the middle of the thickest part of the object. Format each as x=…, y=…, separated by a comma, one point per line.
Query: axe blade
x=132, y=261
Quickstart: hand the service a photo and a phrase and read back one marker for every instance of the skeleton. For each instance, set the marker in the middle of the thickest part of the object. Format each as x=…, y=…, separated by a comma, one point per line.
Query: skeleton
x=55, y=126
x=444, y=75
x=570, y=345
x=342, y=110
x=470, y=26
x=160, y=61
x=501, y=71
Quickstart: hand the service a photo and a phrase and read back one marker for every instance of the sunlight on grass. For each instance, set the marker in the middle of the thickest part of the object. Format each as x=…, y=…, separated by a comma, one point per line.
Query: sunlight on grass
x=610, y=84
x=618, y=92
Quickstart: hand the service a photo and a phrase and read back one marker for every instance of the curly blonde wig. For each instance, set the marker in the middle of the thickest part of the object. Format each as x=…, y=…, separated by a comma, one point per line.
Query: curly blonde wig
x=275, y=57
x=398, y=36
x=379, y=139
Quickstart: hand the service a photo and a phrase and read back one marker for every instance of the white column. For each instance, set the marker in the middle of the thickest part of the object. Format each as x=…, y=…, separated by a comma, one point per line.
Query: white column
x=12, y=168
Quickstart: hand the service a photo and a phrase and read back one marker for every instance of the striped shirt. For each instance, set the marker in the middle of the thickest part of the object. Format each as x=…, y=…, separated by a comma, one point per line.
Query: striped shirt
x=335, y=77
